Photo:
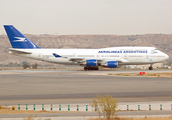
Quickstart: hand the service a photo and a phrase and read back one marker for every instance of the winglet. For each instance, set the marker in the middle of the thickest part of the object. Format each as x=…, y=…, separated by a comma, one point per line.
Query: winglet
x=17, y=39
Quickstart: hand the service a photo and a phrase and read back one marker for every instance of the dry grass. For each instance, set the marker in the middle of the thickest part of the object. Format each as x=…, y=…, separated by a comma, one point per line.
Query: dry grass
x=167, y=75
x=145, y=118
x=111, y=74
x=13, y=108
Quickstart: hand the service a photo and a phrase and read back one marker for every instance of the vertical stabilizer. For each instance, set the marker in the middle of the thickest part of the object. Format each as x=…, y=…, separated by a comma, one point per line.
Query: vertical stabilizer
x=17, y=39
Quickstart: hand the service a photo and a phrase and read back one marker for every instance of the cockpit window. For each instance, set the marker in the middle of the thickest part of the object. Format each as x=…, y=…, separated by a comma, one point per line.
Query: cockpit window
x=156, y=49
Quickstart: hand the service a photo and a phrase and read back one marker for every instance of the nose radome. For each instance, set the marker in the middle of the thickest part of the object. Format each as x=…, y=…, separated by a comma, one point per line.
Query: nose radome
x=166, y=56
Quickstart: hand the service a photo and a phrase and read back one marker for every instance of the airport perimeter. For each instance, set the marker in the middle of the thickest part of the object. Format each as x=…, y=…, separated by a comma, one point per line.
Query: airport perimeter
x=77, y=87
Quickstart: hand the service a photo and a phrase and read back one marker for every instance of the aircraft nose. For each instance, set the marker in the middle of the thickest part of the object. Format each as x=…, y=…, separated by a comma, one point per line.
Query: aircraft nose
x=166, y=56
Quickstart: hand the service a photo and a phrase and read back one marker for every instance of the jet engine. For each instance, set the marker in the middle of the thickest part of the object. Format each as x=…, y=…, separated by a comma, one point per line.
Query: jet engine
x=112, y=64
x=91, y=63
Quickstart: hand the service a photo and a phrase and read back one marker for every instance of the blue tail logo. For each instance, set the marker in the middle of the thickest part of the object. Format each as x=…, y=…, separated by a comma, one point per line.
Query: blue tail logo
x=17, y=39
x=20, y=39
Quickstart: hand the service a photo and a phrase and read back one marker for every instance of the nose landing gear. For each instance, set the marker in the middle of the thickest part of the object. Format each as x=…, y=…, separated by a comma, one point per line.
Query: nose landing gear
x=91, y=68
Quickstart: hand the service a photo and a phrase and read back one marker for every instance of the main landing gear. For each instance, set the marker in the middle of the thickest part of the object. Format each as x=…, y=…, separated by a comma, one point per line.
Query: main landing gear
x=150, y=68
x=91, y=68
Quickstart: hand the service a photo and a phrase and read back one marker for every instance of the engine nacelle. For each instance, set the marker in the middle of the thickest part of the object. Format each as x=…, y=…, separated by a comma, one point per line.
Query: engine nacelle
x=112, y=64
x=91, y=63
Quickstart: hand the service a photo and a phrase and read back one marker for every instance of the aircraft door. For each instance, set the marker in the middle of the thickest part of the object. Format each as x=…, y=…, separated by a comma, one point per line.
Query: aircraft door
x=39, y=56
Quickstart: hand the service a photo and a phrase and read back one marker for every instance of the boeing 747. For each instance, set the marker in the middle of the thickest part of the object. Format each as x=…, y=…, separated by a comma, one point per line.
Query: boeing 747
x=90, y=59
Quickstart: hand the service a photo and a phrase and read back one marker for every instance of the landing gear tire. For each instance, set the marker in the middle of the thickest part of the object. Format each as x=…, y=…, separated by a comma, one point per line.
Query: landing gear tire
x=91, y=68
x=150, y=68
x=94, y=68
x=85, y=68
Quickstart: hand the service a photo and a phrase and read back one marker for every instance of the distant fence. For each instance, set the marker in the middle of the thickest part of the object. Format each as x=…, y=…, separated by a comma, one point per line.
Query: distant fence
x=87, y=107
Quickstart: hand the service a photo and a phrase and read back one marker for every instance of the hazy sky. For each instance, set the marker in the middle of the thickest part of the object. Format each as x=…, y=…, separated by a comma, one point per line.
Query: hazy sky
x=122, y=17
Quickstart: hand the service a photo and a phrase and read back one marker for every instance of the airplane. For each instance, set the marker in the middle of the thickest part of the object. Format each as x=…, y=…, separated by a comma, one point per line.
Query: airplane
x=90, y=59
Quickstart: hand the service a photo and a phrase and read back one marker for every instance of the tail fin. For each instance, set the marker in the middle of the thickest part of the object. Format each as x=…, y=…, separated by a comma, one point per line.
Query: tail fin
x=17, y=39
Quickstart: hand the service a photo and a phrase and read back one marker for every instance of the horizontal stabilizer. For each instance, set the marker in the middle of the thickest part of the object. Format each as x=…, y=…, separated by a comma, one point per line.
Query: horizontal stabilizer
x=18, y=51
x=56, y=55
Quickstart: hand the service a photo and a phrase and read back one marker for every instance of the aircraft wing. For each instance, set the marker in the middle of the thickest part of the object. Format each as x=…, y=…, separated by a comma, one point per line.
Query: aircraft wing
x=81, y=59
x=75, y=58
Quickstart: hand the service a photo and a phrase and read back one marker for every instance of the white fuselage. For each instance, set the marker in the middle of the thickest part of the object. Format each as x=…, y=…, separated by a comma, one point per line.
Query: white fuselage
x=125, y=55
